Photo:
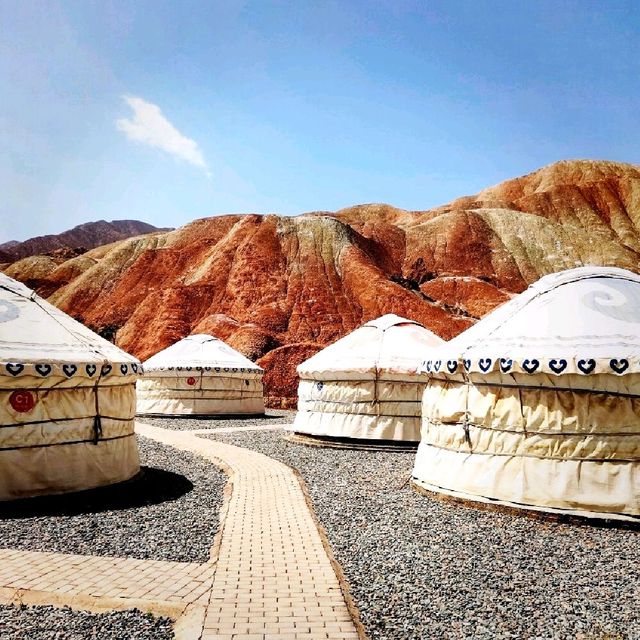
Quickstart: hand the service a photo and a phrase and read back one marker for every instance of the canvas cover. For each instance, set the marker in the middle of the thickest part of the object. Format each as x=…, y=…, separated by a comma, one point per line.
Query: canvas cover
x=67, y=401
x=365, y=385
x=200, y=375
x=538, y=404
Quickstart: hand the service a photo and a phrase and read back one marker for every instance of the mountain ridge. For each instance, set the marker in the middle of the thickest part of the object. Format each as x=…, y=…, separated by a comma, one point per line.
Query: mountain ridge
x=279, y=288
x=87, y=235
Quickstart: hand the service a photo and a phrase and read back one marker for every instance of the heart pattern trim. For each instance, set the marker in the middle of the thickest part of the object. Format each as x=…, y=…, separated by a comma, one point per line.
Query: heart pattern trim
x=587, y=366
x=619, y=366
x=557, y=365
x=14, y=368
x=69, y=369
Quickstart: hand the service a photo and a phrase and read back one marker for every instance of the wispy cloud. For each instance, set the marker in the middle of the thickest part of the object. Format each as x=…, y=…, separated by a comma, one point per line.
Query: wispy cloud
x=149, y=126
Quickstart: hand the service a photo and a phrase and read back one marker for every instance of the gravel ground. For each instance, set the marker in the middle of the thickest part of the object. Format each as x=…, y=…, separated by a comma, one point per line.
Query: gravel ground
x=420, y=568
x=171, y=513
x=272, y=417
x=49, y=623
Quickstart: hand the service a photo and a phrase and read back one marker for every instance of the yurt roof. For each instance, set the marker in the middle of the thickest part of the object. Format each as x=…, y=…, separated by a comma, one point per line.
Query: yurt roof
x=200, y=352
x=583, y=321
x=389, y=344
x=38, y=339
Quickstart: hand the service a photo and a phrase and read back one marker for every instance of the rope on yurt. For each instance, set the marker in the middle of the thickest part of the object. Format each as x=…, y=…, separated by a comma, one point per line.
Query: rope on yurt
x=31, y=423
x=465, y=424
x=46, y=445
x=97, y=422
x=376, y=379
x=533, y=387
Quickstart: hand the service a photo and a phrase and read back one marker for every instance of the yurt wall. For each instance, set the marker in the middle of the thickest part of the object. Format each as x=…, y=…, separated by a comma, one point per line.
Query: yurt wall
x=67, y=401
x=200, y=375
x=366, y=385
x=536, y=408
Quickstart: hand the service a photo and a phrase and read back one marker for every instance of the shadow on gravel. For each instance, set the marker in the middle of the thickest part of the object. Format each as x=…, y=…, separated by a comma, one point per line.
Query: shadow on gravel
x=150, y=486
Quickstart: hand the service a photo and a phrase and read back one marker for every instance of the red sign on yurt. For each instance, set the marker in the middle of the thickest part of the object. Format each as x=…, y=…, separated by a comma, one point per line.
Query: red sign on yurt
x=191, y=381
x=22, y=401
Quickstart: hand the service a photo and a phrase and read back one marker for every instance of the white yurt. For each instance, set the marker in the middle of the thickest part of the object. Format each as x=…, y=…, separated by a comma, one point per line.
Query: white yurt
x=365, y=385
x=67, y=401
x=200, y=376
x=538, y=404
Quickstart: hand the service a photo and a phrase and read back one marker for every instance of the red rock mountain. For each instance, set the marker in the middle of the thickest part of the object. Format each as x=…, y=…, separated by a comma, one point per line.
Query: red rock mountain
x=84, y=236
x=280, y=288
x=4, y=249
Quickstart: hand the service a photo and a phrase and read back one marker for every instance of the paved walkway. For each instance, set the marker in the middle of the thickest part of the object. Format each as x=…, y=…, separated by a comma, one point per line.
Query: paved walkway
x=273, y=578
x=269, y=578
x=170, y=586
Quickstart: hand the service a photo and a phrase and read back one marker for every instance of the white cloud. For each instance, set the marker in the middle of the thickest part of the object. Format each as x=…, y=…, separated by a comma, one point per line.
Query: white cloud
x=149, y=126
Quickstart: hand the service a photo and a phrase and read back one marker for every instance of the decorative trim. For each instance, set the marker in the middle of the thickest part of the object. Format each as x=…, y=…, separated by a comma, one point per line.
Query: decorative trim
x=531, y=366
x=68, y=370
x=207, y=369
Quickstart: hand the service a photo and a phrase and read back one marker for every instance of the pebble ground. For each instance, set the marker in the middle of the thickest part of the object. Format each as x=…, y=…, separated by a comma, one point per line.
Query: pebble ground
x=49, y=623
x=171, y=513
x=419, y=568
x=272, y=417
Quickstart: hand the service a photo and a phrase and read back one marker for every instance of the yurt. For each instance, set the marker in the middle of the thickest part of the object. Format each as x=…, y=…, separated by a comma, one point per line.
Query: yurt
x=200, y=376
x=538, y=404
x=67, y=401
x=365, y=386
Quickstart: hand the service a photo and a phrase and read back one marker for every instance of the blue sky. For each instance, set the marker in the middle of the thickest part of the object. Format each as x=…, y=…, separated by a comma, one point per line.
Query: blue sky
x=170, y=111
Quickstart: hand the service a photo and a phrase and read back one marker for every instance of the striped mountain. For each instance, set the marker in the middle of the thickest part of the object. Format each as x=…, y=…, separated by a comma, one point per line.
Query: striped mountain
x=280, y=288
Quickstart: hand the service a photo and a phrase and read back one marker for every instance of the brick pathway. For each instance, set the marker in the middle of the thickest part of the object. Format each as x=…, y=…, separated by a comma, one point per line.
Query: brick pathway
x=102, y=576
x=273, y=578
x=269, y=578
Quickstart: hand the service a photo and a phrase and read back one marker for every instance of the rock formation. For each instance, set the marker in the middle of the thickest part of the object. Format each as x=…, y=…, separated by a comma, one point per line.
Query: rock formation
x=83, y=237
x=280, y=288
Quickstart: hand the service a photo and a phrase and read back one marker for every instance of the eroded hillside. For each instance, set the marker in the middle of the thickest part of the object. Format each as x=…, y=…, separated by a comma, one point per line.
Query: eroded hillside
x=279, y=288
